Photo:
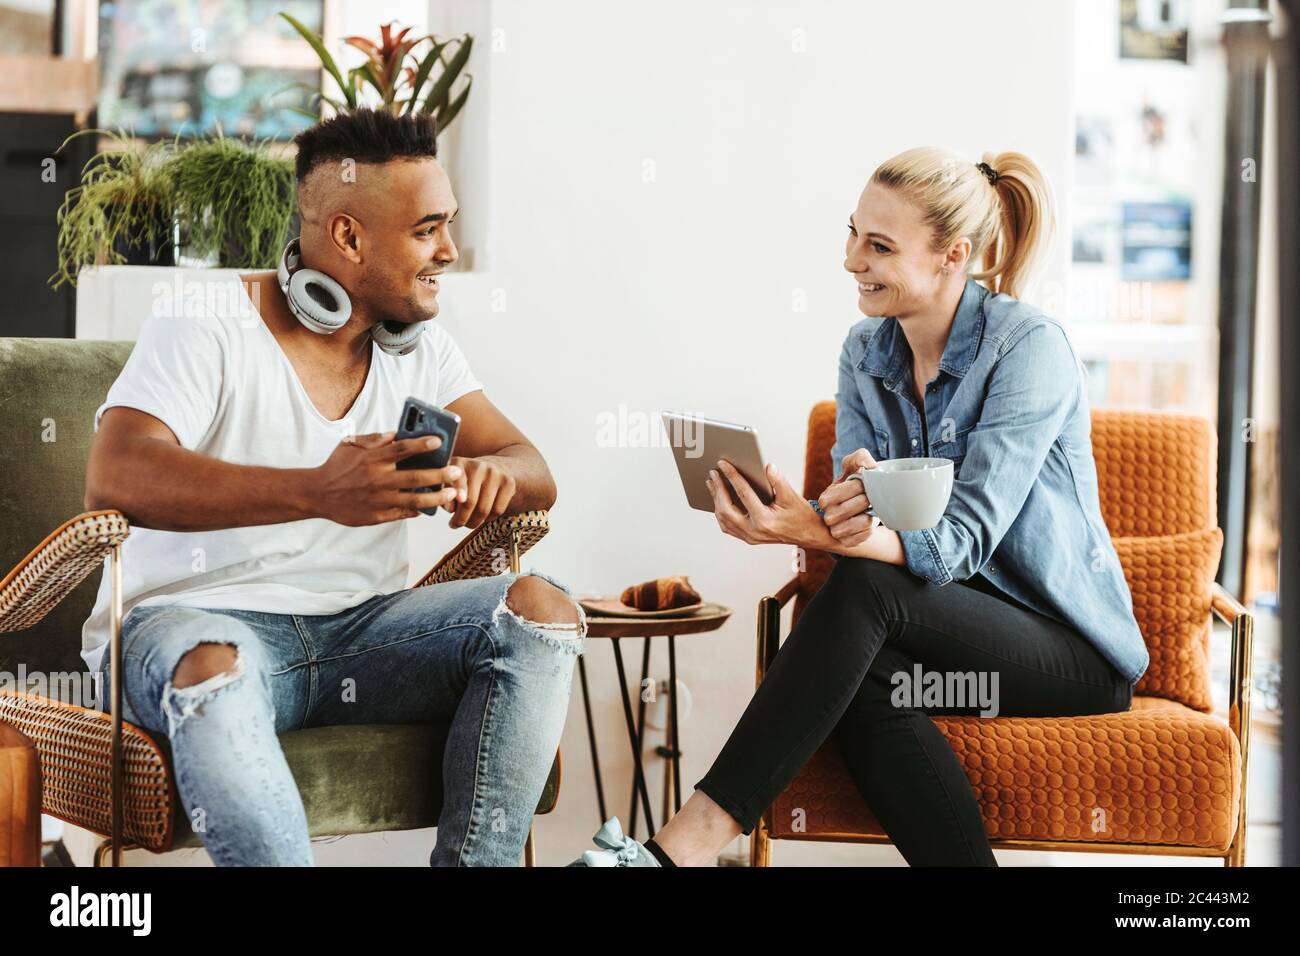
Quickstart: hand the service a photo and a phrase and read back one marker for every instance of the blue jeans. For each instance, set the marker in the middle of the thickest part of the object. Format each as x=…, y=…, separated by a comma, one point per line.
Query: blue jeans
x=452, y=652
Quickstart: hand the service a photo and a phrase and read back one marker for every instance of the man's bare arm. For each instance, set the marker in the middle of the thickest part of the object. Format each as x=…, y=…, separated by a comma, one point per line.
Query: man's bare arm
x=138, y=467
x=516, y=477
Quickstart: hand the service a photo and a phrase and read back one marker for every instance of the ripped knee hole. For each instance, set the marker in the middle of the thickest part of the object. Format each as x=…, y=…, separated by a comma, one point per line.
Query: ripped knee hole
x=204, y=662
x=539, y=602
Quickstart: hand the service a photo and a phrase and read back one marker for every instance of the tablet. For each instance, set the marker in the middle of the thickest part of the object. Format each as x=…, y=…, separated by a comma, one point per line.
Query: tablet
x=699, y=443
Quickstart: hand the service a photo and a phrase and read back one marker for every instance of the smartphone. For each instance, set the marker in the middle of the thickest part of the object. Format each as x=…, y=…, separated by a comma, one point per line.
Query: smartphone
x=421, y=420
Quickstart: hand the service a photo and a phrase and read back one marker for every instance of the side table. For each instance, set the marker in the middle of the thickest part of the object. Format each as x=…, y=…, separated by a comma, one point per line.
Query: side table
x=708, y=618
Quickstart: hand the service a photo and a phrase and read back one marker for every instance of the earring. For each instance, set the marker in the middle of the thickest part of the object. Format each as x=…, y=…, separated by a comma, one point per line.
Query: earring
x=944, y=270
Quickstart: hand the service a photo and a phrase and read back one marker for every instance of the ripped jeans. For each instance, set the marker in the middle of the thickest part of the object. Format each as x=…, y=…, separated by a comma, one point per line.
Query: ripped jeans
x=450, y=652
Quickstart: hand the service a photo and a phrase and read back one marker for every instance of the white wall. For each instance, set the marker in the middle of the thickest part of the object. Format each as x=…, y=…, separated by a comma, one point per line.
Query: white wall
x=661, y=185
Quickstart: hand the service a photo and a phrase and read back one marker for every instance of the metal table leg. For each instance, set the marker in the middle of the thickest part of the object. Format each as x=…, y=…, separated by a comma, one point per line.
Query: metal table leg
x=672, y=722
x=633, y=737
x=591, y=739
x=640, y=726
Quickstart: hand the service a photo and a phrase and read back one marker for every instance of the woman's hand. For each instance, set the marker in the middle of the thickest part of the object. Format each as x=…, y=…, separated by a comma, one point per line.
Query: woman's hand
x=855, y=460
x=787, y=520
x=845, y=502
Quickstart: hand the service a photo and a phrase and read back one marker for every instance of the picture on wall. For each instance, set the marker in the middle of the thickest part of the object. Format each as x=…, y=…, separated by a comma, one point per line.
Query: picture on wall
x=1157, y=240
x=1153, y=30
x=191, y=68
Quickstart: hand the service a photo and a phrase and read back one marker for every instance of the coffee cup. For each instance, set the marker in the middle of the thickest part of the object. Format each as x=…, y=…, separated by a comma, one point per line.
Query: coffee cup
x=908, y=494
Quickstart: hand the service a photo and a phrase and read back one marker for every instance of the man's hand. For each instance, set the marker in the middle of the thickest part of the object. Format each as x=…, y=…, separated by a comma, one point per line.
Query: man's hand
x=360, y=484
x=489, y=489
x=787, y=520
x=845, y=502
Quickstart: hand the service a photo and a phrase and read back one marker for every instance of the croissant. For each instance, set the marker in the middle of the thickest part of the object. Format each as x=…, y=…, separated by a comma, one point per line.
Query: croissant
x=661, y=594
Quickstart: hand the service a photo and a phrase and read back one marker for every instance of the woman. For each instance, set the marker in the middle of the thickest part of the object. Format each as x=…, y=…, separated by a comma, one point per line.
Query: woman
x=1017, y=584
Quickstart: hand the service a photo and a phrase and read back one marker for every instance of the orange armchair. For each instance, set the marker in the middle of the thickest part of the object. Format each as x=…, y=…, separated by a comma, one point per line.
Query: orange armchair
x=1166, y=777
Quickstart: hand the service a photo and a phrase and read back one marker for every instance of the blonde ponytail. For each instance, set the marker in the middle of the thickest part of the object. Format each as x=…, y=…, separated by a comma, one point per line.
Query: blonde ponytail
x=1007, y=212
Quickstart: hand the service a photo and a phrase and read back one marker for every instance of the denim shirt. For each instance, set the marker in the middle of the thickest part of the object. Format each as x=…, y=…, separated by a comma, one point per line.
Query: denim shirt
x=1009, y=407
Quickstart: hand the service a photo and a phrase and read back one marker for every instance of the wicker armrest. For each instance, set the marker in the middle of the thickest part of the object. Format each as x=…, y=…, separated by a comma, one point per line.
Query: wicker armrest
x=487, y=551
x=74, y=745
x=57, y=565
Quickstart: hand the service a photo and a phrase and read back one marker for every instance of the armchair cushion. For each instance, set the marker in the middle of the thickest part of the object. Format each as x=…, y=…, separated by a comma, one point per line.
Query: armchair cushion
x=1160, y=773
x=1155, y=471
x=1172, y=581
x=364, y=778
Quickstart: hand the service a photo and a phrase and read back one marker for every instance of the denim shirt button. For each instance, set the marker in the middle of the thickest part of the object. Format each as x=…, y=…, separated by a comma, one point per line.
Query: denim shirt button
x=992, y=570
x=913, y=442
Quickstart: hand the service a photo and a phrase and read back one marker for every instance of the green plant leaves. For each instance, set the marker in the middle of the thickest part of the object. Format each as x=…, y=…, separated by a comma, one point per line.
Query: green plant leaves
x=446, y=116
x=326, y=60
x=437, y=98
x=233, y=199
x=384, y=66
x=422, y=74
x=124, y=198
x=236, y=201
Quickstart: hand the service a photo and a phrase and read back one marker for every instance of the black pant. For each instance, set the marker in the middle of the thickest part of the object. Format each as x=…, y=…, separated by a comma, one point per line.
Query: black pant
x=837, y=673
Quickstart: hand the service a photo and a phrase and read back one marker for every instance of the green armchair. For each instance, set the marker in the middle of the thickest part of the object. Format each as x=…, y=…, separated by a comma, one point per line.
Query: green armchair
x=109, y=776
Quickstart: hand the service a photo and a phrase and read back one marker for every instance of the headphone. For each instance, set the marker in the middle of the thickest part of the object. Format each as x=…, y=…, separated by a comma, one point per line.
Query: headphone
x=323, y=306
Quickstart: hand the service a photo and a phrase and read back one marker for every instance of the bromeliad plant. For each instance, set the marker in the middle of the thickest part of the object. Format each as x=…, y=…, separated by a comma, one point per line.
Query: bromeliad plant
x=404, y=74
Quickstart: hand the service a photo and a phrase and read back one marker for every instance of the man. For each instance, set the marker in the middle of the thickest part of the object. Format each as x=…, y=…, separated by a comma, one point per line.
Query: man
x=264, y=577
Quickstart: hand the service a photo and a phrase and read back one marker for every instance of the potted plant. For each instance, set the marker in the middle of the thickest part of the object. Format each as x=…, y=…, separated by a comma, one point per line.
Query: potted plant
x=234, y=201
x=405, y=74
x=122, y=211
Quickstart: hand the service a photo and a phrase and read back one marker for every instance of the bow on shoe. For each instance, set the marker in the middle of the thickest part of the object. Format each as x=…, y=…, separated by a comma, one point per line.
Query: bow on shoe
x=617, y=849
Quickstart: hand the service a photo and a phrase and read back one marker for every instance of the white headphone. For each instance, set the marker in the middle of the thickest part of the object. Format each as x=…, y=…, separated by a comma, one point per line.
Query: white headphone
x=323, y=306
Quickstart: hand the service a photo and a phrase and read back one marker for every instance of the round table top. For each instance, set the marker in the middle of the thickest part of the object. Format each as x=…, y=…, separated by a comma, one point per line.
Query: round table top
x=708, y=618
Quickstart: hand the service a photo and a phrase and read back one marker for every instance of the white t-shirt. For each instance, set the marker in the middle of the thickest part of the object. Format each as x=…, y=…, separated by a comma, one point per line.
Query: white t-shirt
x=211, y=370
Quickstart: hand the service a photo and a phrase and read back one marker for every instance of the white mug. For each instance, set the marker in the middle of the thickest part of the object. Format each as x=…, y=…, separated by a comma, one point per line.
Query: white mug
x=908, y=494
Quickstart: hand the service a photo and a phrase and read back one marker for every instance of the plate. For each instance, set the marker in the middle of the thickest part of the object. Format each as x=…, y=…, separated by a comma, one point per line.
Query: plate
x=613, y=607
